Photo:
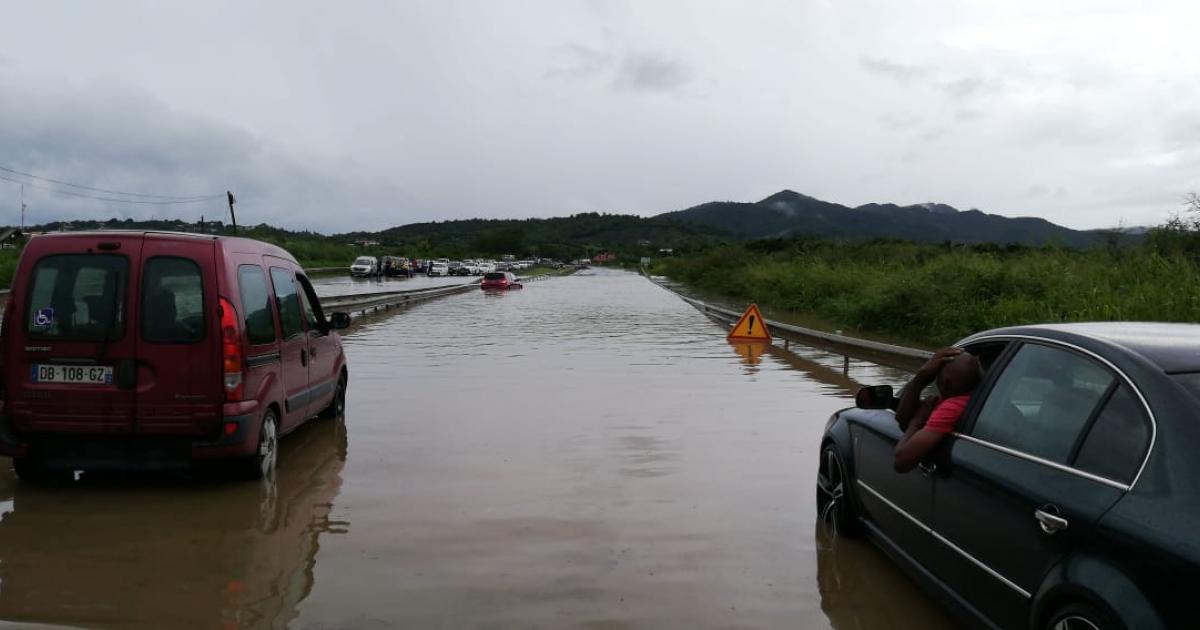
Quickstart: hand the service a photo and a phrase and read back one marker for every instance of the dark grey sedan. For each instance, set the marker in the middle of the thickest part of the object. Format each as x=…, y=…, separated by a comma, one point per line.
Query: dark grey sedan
x=1068, y=496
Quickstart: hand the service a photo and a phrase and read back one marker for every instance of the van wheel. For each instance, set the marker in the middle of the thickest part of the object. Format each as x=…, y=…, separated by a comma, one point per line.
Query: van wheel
x=262, y=463
x=337, y=406
x=29, y=470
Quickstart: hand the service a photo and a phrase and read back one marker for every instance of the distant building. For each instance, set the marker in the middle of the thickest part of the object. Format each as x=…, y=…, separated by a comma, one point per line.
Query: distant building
x=366, y=242
x=666, y=251
x=606, y=257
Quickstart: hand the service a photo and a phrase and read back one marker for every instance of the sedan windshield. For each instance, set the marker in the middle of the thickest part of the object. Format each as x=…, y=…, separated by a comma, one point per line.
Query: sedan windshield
x=362, y=260
x=496, y=275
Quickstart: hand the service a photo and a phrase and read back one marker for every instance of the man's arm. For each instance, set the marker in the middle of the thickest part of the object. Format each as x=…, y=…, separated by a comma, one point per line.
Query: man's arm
x=910, y=398
x=917, y=441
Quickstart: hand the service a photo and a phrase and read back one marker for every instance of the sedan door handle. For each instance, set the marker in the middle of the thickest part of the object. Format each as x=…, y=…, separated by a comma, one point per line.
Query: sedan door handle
x=1049, y=520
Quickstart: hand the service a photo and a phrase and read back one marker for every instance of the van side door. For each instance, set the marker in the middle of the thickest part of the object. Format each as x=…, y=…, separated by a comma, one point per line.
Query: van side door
x=293, y=345
x=178, y=340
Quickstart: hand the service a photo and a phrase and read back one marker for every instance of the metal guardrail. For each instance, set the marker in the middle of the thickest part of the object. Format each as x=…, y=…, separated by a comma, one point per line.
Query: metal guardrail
x=891, y=355
x=364, y=303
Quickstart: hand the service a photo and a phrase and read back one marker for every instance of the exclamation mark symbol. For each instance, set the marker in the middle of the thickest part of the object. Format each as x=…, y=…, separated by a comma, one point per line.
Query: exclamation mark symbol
x=750, y=330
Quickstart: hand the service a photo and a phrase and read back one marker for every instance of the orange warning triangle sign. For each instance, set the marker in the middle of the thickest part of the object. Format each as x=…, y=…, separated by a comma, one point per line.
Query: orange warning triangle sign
x=751, y=327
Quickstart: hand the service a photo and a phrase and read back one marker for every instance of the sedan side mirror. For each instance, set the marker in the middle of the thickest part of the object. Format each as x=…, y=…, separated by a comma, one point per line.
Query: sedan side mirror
x=338, y=321
x=874, y=397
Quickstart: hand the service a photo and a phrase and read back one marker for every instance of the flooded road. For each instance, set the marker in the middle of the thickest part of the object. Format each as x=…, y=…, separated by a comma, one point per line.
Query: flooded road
x=587, y=451
x=344, y=284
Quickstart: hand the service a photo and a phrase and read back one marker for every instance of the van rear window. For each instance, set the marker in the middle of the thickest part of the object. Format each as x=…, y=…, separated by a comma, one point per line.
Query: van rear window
x=172, y=300
x=78, y=297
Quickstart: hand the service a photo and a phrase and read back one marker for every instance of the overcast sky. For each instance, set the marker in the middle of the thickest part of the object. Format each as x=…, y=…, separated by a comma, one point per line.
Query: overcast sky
x=362, y=115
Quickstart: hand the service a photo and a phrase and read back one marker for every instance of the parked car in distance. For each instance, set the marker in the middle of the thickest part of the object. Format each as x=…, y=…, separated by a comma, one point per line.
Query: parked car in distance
x=154, y=350
x=395, y=266
x=1066, y=496
x=499, y=280
x=364, y=266
x=438, y=269
x=471, y=267
x=486, y=267
x=458, y=269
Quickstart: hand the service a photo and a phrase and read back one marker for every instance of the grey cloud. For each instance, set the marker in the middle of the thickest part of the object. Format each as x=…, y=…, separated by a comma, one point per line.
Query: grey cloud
x=900, y=122
x=965, y=87
x=650, y=72
x=902, y=72
x=1039, y=190
x=1182, y=132
x=576, y=61
x=113, y=136
x=1065, y=126
x=931, y=135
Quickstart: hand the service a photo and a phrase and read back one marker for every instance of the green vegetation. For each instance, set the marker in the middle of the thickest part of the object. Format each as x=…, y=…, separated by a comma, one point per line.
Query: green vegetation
x=936, y=294
x=563, y=238
x=8, y=264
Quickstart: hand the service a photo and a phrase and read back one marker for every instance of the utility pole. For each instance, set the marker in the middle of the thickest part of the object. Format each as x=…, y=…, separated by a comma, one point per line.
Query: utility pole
x=202, y=224
x=22, y=209
x=232, y=216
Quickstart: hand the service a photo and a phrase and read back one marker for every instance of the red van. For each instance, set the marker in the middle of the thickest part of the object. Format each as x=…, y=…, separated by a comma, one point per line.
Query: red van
x=156, y=349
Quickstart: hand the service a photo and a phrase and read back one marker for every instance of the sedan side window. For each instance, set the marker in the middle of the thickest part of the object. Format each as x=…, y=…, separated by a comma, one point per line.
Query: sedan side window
x=1042, y=402
x=1116, y=443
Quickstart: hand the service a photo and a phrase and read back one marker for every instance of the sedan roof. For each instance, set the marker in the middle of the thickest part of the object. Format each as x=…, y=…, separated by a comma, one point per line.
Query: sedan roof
x=1172, y=347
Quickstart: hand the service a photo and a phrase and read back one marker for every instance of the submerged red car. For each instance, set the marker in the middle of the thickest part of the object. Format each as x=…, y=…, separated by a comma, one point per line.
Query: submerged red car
x=499, y=280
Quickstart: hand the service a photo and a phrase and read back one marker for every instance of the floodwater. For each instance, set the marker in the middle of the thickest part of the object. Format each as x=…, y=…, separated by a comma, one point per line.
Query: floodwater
x=586, y=452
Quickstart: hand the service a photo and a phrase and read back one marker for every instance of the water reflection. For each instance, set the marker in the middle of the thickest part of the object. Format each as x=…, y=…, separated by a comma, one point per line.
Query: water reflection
x=162, y=552
x=860, y=589
x=751, y=352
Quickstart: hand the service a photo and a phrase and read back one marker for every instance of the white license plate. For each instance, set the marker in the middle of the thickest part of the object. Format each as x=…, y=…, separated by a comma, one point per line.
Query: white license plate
x=84, y=374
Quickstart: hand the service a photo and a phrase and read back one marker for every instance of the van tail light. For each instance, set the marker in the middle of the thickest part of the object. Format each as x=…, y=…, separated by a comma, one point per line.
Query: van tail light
x=8, y=313
x=232, y=359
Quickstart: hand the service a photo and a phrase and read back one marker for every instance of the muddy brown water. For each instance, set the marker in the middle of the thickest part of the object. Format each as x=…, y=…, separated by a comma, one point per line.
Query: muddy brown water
x=585, y=452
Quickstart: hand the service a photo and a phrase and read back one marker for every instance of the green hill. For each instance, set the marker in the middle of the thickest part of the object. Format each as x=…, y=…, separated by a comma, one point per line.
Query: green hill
x=789, y=213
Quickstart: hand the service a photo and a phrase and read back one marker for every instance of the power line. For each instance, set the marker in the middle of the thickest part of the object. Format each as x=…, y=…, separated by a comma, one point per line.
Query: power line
x=167, y=201
x=168, y=198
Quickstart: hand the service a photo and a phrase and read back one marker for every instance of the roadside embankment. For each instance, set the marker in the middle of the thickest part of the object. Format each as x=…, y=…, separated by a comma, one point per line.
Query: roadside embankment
x=936, y=294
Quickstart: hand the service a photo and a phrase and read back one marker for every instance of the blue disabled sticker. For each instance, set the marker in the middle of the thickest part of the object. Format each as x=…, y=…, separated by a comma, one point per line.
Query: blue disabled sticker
x=44, y=317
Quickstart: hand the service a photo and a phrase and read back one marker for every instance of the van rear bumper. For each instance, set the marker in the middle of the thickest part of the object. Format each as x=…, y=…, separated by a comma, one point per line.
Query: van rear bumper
x=239, y=437
x=238, y=442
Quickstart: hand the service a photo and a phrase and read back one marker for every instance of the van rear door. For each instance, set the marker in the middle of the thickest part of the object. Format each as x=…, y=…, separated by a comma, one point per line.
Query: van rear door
x=178, y=341
x=71, y=349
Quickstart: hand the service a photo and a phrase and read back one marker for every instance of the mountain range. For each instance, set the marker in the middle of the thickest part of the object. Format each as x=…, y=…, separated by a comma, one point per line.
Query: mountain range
x=788, y=213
